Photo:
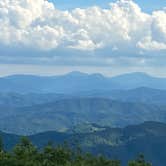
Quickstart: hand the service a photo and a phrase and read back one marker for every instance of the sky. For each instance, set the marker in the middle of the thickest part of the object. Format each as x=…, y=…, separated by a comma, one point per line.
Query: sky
x=146, y=5
x=104, y=36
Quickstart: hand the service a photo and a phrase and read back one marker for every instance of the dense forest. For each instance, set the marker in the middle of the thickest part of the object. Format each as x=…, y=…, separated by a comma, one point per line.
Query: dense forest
x=26, y=154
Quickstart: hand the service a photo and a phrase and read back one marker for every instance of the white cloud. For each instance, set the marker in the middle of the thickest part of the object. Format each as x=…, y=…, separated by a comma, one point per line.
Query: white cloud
x=159, y=26
x=156, y=40
x=38, y=24
x=149, y=44
x=44, y=37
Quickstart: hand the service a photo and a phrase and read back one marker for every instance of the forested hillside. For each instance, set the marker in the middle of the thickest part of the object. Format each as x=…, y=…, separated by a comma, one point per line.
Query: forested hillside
x=26, y=154
x=123, y=144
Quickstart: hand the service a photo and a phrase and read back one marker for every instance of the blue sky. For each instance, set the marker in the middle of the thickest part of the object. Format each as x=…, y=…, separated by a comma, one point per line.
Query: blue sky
x=53, y=37
x=146, y=5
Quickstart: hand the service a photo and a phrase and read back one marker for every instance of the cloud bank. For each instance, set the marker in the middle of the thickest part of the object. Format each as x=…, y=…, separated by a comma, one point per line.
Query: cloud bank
x=120, y=30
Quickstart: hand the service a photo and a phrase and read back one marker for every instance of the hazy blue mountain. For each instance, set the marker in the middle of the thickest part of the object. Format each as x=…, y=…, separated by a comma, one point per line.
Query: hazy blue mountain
x=69, y=83
x=137, y=79
x=61, y=115
x=141, y=95
x=125, y=144
x=77, y=82
x=29, y=99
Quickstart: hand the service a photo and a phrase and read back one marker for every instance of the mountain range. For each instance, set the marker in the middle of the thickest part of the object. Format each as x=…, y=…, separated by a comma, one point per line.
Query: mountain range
x=33, y=104
x=77, y=82
x=63, y=114
x=118, y=117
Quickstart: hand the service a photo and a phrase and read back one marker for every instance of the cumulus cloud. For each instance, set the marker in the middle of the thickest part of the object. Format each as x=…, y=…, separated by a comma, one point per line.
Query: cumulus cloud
x=39, y=25
x=149, y=44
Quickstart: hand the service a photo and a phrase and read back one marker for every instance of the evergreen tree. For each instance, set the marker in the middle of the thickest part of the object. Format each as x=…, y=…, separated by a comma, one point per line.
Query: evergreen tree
x=140, y=161
x=1, y=144
x=26, y=154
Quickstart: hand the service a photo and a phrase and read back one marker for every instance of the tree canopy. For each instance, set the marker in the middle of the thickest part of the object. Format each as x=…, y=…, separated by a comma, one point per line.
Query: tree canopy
x=26, y=154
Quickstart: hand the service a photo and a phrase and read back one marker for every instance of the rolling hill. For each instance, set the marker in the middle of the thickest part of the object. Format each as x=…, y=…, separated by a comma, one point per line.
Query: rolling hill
x=140, y=95
x=63, y=114
x=125, y=144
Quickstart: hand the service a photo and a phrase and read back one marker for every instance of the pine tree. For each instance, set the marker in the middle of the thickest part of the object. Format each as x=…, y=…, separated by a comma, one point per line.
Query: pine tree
x=140, y=161
x=1, y=144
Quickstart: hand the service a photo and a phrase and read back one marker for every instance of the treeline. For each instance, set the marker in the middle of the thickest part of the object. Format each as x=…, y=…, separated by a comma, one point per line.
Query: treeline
x=26, y=154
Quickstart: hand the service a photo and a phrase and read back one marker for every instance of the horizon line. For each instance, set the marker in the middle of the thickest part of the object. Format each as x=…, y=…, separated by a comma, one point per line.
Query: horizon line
x=75, y=72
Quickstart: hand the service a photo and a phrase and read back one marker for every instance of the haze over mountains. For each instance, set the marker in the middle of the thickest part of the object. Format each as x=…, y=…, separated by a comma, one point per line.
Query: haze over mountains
x=118, y=116
x=103, y=114
x=62, y=115
x=34, y=104
x=76, y=82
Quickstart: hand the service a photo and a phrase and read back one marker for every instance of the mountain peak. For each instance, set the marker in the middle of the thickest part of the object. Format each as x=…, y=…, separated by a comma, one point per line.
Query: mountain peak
x=98, y=75
x=76, y=73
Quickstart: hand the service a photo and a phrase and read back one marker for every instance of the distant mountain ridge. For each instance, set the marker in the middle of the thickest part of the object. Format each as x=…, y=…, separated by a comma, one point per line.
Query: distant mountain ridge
x=78, y=82
x=138, y=95
x=60, y=115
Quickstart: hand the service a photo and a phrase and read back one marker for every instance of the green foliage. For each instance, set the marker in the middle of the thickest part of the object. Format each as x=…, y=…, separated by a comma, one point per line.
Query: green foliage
x=1, y=144
x=26, y=154
x=139, y=162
